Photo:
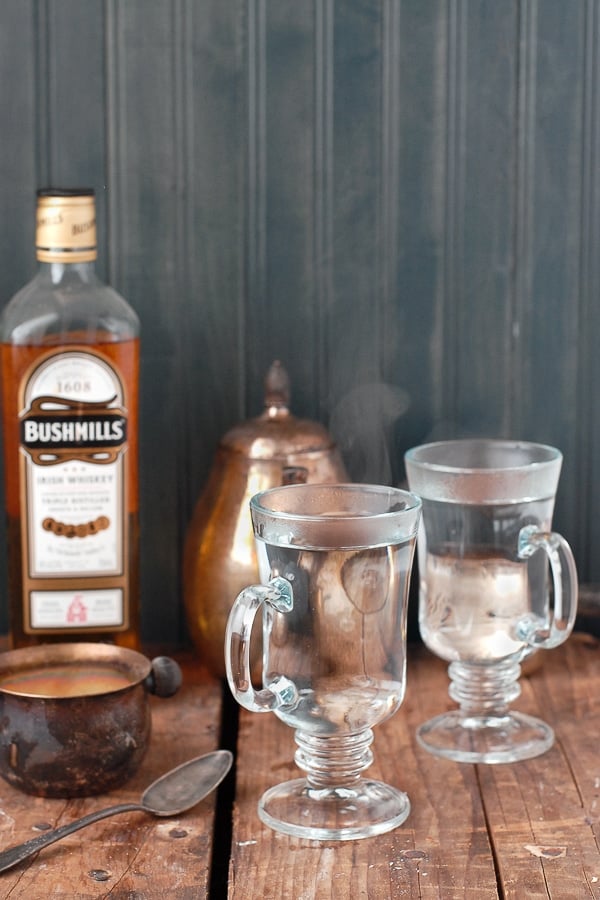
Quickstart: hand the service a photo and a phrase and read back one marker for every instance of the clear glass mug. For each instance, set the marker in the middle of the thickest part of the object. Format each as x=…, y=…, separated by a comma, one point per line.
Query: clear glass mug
x=485, y=549
x=335, y=563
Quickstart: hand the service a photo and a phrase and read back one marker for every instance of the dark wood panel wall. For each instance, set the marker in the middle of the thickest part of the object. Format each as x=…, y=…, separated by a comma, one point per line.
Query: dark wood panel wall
x=399, y=199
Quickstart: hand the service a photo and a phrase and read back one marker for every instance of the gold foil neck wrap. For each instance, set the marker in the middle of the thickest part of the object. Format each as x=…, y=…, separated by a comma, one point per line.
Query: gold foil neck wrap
x=66, y=229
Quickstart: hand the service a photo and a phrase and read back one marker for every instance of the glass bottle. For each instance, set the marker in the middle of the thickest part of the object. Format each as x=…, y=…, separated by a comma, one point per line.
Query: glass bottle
x=70, y=368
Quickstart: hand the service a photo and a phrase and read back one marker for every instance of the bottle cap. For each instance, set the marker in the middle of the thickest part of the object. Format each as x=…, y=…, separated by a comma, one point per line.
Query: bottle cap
x=66, y=225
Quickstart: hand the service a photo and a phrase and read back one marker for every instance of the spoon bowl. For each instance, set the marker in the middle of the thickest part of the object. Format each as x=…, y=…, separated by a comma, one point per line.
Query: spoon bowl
x=173, y=793
x=186, y=785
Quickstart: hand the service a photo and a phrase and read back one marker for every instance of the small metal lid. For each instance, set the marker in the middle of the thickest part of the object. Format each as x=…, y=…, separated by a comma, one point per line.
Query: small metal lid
x=276, y=433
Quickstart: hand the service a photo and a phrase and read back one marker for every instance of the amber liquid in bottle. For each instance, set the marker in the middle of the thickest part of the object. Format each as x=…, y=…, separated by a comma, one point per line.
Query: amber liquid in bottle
x=16, y=361
x=58, y=326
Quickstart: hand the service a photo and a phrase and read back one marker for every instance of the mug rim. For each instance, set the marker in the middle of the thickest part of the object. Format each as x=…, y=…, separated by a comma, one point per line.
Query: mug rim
x=554, y=455
x=414, y=501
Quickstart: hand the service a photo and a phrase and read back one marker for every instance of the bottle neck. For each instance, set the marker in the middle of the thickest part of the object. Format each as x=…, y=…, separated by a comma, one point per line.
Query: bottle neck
x=59, y=272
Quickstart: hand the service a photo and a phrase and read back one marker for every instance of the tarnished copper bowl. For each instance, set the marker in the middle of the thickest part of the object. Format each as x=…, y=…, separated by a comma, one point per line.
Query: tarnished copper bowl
x=75, y=719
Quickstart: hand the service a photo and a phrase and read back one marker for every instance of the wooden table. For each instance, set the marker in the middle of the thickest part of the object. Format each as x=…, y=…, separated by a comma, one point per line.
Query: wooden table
x=512, y=831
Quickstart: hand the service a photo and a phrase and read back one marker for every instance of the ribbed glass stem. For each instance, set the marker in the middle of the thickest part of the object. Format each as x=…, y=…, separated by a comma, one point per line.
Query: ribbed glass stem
x=484, y=690
x=335, y=760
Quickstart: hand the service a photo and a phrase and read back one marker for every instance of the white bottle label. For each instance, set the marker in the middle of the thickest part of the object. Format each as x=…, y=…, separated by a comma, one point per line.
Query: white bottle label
x=73, y=439
x=72, y=609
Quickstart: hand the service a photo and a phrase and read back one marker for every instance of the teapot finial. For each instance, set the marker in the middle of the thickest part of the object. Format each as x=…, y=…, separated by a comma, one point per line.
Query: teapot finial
x=277, y=387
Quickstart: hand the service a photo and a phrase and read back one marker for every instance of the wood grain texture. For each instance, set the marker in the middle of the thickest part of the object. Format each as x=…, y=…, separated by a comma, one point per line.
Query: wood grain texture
x=547, y=326
x=524, y=830
x=133, y=854
x=508, y=831
x=542, y=813
x=441, y=850
x=588, y=273
x=398, y=199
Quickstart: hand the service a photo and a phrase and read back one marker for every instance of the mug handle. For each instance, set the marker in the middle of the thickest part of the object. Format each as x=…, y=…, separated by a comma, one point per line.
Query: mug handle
x=558, y=623
x=281, y=691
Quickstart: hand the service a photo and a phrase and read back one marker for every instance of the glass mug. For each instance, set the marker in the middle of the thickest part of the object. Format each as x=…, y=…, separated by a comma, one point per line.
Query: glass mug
x=485, y=548
x=335, y=563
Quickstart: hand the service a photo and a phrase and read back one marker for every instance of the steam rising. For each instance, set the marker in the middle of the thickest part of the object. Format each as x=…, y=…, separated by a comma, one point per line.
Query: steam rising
x=363, y=424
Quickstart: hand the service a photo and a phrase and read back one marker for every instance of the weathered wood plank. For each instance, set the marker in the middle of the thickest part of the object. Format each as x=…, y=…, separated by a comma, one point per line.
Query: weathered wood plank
x=145, y=210
x=280, y=250
x=71, y=144
x=18, y=164
x=354, y=343
x=541, y=812
x=413, y=197
x=588, y=359
x=213, y=337
x=532, y=825
x=475, y=313
x=549, y=232
x=523, y=830
x=399, y=198
x=132, y=854
x=18, y=115
x=442, y=849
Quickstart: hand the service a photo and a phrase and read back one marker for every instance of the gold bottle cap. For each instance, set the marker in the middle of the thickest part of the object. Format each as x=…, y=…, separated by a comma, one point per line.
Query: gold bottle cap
x=66, y=225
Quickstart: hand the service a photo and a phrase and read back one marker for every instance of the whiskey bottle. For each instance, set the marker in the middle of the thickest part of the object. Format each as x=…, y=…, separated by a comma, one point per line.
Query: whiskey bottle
x=69, y=363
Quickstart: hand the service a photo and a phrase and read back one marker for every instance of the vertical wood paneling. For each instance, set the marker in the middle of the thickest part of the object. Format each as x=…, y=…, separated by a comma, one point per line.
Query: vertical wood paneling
x=354, y=320
x=390, y=151
x=453, y=233
x=548, y=194
x=281, y=293
x=19, y=145
x=482, y=69
x=146, y=216
x=398, y=199
x=184, y=246
x=322, y=199
x=523, y=207
x=256, y=307
x=72, y=146
x=213, y=173
x=18, y=161
x=391, y=399
x=586, y=495
x=291, y=323
x=115, y=135
x=412, y=197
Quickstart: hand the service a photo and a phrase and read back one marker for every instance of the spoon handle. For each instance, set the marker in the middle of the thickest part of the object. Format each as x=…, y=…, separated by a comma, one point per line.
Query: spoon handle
x=14, y=855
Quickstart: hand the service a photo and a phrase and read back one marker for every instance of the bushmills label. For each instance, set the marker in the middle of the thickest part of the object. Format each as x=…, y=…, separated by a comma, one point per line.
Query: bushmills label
x=73, y=449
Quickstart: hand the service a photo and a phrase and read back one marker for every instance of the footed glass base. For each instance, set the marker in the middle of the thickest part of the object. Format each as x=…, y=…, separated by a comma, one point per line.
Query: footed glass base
x=484, y=729
x=361, y=810
x=485, y=739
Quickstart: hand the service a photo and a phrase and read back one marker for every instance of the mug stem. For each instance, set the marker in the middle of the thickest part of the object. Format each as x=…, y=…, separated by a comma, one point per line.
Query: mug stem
x=334, y=801
x=484, y=729
x=483, y=691
x=333, y=761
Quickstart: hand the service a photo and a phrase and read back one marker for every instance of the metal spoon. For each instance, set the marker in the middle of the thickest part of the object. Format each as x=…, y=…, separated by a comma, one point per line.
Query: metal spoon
x=171, y=794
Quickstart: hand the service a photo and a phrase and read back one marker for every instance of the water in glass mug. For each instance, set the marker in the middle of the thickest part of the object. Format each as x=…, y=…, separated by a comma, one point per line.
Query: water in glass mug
x=474, y=589
x=343, y=642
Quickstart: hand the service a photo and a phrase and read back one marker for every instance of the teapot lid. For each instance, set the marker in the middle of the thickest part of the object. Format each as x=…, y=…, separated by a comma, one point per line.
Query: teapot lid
x=276, y=433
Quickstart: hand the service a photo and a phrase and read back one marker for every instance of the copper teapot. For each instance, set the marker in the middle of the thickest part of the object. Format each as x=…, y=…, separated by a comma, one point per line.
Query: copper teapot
x=219, y=557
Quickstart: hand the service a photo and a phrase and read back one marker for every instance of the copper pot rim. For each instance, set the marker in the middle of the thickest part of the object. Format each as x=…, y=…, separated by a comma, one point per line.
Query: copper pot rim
x=135, y=666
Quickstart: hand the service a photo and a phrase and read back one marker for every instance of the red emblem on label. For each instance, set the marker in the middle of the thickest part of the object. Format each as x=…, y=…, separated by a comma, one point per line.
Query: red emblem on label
x=77, y=611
